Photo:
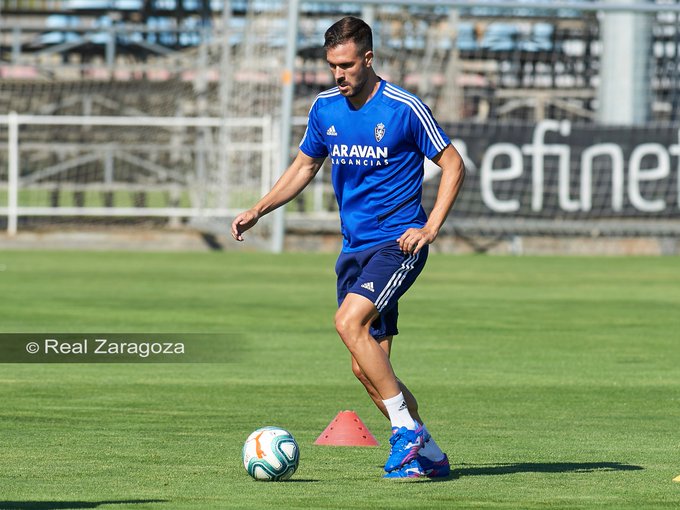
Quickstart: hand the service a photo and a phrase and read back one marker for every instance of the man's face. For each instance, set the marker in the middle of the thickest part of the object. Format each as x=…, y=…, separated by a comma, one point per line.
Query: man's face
x=350, y=68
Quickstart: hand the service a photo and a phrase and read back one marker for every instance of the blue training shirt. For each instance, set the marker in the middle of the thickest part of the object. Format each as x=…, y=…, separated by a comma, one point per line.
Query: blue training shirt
x=377, y=155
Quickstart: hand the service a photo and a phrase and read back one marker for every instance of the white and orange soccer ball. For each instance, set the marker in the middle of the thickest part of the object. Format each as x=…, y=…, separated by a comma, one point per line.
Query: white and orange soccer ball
x=271, y=454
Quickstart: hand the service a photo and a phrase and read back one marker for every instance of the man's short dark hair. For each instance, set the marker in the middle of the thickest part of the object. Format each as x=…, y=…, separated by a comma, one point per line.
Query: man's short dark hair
x=349, y=29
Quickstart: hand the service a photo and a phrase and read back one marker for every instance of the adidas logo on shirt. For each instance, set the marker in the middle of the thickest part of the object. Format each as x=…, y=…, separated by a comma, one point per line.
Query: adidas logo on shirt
x=368, y=286
x=331, y=131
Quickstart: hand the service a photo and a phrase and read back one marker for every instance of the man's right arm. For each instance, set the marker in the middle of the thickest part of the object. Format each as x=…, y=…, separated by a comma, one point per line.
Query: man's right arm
x=292, y=182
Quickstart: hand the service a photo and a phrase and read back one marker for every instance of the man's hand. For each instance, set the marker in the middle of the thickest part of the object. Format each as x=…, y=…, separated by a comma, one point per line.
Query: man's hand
x=453, y=172
x=413, y=240
x=244, y=221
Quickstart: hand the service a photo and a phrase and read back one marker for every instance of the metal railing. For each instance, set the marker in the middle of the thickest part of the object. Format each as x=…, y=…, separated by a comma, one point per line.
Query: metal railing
x=199, y=179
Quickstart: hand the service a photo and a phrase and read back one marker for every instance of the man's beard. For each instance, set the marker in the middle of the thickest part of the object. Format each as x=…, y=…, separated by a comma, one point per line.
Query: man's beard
x=352, y=90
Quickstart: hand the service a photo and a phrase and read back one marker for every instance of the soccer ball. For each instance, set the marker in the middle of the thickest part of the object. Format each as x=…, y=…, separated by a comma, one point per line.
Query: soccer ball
x=271, y=454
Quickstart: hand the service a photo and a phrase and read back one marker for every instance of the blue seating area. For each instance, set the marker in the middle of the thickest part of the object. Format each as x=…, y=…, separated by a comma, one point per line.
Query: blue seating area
x=160, y=30
x=506, y=37
x=178, y=24
x=59, y=29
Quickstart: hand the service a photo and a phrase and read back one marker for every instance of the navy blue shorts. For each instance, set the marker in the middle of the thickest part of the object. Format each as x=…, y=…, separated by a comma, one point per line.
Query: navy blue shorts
x=382, y=274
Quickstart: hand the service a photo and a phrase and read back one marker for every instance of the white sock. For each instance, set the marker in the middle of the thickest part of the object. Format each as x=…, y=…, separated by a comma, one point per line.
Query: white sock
x=398, y=411
x=430, y=449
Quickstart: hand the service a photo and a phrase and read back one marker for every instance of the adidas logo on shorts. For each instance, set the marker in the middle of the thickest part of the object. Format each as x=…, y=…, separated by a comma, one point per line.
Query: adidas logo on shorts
x=368, y=286
x=331, y=131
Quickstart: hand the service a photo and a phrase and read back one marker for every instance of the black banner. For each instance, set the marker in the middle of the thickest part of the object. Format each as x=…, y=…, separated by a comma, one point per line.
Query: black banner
x=560, y=170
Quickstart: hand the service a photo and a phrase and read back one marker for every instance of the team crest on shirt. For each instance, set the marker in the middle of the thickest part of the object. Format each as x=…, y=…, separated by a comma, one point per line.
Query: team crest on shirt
x=379, y=131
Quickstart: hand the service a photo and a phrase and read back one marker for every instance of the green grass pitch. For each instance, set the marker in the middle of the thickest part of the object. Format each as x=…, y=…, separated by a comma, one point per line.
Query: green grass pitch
x=551, y=382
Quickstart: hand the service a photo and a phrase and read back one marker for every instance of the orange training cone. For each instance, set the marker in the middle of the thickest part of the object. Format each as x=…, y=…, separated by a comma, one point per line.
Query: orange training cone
x=346, y=429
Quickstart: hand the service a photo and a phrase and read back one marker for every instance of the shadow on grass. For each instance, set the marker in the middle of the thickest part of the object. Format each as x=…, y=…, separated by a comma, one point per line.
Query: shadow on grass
x=66, y=505
x=540, y=467
x=295, y=480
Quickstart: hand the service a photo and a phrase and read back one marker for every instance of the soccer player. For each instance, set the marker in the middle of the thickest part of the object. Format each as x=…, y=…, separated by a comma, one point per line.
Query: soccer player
x=377, y=136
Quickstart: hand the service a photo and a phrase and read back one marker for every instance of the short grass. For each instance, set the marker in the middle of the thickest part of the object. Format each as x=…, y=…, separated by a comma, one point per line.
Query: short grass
x=41, y=197
x=551, y=382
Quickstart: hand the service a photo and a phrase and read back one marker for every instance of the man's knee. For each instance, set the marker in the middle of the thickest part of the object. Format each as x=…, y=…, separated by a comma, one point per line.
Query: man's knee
x=347, y=325
x=353, y=318
x=341, y=323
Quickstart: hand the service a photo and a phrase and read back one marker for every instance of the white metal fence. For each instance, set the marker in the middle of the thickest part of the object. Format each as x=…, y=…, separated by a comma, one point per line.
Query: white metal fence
x=203, y=167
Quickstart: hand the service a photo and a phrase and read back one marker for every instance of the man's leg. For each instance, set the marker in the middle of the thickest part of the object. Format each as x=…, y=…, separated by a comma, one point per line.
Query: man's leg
x=352, y=321
x=435, y=462
x=386, y=345
x=370, y=284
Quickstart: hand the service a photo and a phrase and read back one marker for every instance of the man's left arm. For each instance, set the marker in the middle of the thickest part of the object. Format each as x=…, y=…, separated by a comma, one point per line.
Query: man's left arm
x=453, y=173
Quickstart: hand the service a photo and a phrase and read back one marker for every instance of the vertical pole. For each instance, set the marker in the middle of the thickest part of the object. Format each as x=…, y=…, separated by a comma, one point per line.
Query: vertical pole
x=13, y=173
x=226, y=77
x=110, y=49
x=108, y=165
x=452, y=94
x=267, y=154
x=16, y=44
x=204, y=139
x=288, y=78
x=368, y=15
x=318, y=191
x=625, y=91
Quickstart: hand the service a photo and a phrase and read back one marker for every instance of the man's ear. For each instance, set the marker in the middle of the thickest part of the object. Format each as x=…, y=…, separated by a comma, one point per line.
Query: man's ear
x=368, y=58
